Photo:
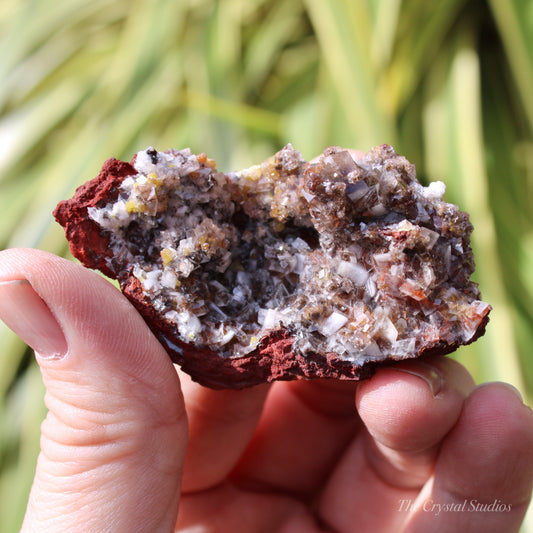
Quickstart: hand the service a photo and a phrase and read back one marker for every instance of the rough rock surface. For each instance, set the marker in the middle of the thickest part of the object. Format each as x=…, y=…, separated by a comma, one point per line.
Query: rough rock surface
x=285, y=270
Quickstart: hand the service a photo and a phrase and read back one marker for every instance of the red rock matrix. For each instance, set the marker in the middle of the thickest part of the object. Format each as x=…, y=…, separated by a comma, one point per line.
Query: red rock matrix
x=285, y=270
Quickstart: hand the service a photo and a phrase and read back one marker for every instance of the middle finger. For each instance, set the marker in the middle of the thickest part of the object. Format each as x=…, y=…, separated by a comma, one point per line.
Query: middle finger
x=303, y=430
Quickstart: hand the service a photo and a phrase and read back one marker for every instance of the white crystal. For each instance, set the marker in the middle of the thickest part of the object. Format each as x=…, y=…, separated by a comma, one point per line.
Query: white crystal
x=143, y=162
x=435, y=190
x=404, y=347
x=189, y=325
x=269, y=318
x=353, y=272
x=333, y=323
x=152, y=281
x=372, y=351
x=169, y=279
x=388, y=330
x=370, y=288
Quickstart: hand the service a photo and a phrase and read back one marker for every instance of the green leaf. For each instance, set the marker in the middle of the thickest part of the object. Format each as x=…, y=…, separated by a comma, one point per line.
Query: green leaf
x=343, y=32
x=515, y=22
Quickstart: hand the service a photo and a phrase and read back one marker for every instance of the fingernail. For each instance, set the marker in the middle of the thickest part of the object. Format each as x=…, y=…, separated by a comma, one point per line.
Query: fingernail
x=425, y=371
x=24, y=311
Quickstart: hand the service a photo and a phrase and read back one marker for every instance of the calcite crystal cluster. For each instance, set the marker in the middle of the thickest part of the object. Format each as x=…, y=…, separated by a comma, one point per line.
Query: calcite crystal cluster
x=284, y=270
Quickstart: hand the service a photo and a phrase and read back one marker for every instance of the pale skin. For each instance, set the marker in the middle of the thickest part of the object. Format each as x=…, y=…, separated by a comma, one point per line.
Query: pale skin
x=132, y=444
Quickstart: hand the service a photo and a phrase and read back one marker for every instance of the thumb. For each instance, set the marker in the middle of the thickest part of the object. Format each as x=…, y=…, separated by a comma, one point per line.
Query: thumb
x=113, y=441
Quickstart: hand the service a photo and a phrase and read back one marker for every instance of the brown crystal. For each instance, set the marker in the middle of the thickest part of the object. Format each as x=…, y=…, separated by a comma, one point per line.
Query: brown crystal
x=284, y=270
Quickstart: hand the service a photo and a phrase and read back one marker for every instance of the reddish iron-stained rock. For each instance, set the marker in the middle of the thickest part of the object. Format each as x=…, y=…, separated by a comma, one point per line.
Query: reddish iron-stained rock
x=285, y=270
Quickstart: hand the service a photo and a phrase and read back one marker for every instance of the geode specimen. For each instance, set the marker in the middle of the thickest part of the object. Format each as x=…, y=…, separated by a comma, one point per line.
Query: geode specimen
x=285, y=270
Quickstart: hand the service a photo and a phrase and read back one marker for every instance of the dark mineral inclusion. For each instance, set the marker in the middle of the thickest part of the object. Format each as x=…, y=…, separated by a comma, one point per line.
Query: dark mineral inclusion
x=284, y=270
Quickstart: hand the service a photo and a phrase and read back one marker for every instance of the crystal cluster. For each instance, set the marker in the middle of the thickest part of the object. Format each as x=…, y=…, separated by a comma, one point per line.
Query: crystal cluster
x=351, y=257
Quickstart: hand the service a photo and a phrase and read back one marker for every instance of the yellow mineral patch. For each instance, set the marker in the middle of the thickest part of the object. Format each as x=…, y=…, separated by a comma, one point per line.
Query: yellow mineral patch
x=203, y=159
x=166, y=256
x=271, y=171
x=154, y=179
x=254, y=173
x=134, y=207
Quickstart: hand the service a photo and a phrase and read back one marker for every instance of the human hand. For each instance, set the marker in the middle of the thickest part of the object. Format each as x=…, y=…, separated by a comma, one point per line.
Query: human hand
x=122, y=445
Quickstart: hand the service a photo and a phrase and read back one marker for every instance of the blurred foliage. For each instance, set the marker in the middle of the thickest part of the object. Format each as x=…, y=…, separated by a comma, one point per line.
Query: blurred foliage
x=449, y=84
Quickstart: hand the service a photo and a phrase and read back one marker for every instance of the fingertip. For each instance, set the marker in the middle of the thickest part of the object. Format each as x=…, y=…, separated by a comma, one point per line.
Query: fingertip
x=484, y=472
x=489, y=453
x=500, y=385
x=95, y=318
x=109, y=348
x=497, y=410
x=411, y=406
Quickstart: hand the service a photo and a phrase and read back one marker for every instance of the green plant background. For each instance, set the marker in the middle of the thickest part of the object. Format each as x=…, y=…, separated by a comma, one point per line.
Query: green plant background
x=449, y=84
